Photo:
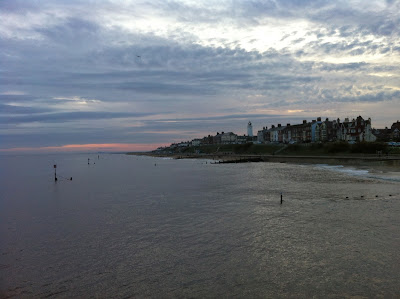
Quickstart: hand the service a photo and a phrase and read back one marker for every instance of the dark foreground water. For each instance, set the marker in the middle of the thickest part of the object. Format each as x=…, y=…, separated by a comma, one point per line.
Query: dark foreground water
x=125, y=227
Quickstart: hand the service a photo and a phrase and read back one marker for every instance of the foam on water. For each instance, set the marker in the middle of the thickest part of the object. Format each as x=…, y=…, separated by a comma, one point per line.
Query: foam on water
x=386, y=176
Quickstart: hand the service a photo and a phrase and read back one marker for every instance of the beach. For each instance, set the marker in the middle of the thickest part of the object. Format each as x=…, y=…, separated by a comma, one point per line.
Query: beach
x=384, y=163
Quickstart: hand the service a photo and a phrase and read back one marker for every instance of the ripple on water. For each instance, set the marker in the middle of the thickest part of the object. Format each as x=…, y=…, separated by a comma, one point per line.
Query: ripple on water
x=189, y=229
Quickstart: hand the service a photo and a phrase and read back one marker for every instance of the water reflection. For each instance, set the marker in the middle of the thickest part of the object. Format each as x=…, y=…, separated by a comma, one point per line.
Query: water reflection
x=123, y=227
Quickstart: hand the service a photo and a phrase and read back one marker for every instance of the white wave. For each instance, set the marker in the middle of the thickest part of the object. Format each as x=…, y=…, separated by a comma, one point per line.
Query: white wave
x=390, y=176
x=342, y=169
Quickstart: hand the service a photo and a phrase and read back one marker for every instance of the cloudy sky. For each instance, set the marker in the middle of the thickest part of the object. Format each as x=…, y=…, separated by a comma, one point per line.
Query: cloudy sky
x=133, y=75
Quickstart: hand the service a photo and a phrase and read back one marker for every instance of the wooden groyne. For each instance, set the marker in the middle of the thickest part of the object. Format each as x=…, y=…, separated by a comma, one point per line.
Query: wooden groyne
x=241, y=160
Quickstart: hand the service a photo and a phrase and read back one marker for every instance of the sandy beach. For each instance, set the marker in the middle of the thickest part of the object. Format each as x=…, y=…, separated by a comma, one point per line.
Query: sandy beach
x=391, y=163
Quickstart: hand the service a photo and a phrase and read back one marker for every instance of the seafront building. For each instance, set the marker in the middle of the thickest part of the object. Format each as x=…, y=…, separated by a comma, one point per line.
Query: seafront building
x=356, y=130
x=395, y=130
x=318, y=130
x=388, y=134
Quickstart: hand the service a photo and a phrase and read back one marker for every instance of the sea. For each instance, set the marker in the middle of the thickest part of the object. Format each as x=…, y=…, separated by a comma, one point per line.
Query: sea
x=143, y=227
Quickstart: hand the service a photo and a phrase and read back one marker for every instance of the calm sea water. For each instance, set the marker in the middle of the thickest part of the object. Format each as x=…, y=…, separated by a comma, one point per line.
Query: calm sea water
x=131, y=226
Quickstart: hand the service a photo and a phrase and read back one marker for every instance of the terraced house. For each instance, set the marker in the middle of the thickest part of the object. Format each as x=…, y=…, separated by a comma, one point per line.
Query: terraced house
x=318, y=130
x=395, y=131
x=355, y=130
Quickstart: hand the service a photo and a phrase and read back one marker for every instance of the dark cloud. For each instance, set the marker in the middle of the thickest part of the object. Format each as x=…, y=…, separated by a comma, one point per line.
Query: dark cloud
x=342, y=66
x=163, y=70
x=213, y=118
x=68, y=116
x=18, y=6
x=72, y=30
x=353, y=47
x=7, y=98
x=9, y=109
x=297, y=41
x=360, y=22
x=372, y=97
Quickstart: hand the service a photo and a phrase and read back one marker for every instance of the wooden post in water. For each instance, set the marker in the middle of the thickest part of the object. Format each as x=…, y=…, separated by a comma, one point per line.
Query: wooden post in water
x=55, y=172
x=281, y=198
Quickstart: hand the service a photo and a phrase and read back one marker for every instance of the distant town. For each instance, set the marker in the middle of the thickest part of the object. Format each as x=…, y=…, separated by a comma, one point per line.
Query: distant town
x=316, y=131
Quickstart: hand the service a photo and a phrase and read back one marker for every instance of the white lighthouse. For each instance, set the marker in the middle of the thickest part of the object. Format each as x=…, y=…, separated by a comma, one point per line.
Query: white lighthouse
x=249, y=129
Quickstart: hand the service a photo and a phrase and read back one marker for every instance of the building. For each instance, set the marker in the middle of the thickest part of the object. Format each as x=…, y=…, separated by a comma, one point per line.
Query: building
x=279, y=133
x=328, y=130
x=299, y=133
x=241, y=139
x=250, y=129
x=315, y=130
x=395, y=131
x=217, y=138
x=382, y=134
x=196, y=142
x=207, y=140
x=287, y=134
x=261, y=135
x=295, y=133
x=228, y=138
x=356, y=130
x=272, y=134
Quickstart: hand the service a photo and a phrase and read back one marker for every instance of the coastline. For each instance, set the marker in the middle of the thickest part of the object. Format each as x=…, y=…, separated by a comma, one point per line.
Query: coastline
x=393, y=162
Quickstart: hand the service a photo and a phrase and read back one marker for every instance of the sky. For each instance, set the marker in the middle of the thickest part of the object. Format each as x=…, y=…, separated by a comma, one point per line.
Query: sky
x=134, y=75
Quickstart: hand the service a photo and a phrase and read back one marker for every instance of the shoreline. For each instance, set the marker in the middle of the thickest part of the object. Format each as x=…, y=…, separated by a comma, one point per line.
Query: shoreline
x=221, y=158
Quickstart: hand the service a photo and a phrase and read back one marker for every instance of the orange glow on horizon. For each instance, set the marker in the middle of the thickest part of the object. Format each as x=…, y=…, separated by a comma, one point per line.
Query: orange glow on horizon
x=105, y=147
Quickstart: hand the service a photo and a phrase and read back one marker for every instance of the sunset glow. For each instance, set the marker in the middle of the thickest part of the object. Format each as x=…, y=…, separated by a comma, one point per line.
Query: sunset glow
x=109, y=147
